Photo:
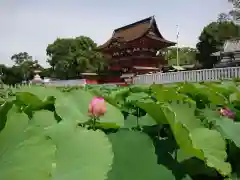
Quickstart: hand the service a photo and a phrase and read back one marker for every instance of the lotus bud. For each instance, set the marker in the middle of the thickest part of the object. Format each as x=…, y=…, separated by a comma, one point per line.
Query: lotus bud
x=97, y=107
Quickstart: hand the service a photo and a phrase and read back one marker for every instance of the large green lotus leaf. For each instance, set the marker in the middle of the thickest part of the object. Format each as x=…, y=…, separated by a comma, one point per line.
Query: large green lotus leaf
x=73, y=105
x=213, y=148
x=185, y=114
x=120, y=94
x=204, y=92
x=68, y=106
x=214, y=96
x=41, y=120
x=131, y=121
x=4, y=108
x=41, y=92
x=134, y=97
x=154, y=110
x=234, y=176
x=207, y=145
x=163, y=94
x=113, y=115
x=188, y=89
x=165, y=148
x=229, y=129
x=81, y=153
x=193, y=165
x=27, y=98
x=76, y=104
x=25, y=154
x=135, y=158
x=225, y=88
x=139, y=88
x=234, y=97
x=236, y=173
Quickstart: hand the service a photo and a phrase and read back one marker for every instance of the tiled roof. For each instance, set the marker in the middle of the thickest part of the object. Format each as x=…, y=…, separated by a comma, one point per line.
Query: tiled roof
x=136, y=30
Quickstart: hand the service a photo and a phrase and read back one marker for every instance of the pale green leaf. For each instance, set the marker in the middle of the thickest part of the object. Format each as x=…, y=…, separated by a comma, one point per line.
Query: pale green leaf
x=25, y=154
x=135, y=158
x=229, y=129
x=74, y=106
x=207, y=145
x=154, y=110
x=213, y=148
x=81, y=153
x=132, y=121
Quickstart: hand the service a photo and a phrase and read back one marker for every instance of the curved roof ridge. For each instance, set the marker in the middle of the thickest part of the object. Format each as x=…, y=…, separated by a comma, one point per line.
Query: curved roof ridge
x=135, y=31
x=148, y=19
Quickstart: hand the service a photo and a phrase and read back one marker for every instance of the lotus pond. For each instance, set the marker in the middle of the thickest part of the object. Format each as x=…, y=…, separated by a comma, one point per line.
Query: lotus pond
x=160, y=132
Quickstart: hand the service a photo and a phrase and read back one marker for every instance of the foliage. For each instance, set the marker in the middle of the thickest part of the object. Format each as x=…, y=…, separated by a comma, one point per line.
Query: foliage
x=16, y=74
x=149, y=132
x=212, y=39
x=22, y=70
x=21, y=57
x=69, y=57
x=186, y=55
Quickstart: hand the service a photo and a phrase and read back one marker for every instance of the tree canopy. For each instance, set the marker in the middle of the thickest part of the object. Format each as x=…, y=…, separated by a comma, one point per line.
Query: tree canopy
x=212, y=39
x=22, y=70
x=69, y=57
x=21, y=57
x=186, y=55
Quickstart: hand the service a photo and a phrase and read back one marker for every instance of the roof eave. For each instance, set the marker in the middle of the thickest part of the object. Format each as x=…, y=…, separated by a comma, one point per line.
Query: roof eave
x=135, y=23
x=152, y=23
x=163, y=40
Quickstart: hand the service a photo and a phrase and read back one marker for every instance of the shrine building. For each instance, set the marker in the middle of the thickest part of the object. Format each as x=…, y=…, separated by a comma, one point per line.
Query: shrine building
x=133, y=49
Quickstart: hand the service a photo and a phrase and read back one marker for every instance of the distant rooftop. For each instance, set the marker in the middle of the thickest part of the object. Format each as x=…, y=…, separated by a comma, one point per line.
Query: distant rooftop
x=229, y=57
x=136, y=30
x=232, y=45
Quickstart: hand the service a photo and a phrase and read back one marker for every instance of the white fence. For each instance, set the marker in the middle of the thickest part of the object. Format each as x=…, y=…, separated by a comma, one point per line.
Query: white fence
x=189, y=76
x=74, y=82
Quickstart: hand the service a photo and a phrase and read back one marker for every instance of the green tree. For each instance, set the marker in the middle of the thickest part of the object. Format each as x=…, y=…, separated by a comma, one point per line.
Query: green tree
x=212, y=39
x=14, y=75
x=10, y=75
x=19, y=58
x=46, y=72
x=186, y=55
x=28, y=67
x=68, y=57
x=25, y=65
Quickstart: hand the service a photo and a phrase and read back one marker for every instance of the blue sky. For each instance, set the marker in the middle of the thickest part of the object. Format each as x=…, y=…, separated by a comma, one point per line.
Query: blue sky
x=30, y=25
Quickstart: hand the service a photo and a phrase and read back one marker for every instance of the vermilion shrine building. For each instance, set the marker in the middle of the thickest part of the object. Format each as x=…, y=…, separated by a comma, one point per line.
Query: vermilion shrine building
x=132, y=50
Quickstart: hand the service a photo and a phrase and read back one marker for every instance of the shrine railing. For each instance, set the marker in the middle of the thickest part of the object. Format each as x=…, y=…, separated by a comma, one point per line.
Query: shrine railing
x=189, y=76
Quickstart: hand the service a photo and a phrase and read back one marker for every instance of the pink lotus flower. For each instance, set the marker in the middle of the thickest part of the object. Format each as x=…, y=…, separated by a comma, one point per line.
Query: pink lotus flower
x=227, y=112
x=97, y=107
